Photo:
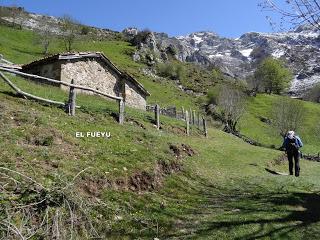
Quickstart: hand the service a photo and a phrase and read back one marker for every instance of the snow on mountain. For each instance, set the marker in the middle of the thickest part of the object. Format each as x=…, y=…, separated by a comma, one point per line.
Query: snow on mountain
x=246, y=52
x=300, y=49
x=237, y=58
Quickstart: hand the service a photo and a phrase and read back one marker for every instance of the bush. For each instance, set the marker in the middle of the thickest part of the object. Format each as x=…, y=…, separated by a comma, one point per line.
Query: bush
x=213, y=94
x=171, y=70
x=84, y=30
x=171, y=50
x=40, y=139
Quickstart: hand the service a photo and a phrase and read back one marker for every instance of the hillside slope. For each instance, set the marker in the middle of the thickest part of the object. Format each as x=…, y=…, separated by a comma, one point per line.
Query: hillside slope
x=260, y=107
x=140, y=183
x=236, y=57
x=18, y=46
x=143, y=183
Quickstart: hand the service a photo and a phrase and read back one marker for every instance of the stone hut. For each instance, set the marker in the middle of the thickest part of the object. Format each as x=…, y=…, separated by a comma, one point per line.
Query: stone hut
x=92, y=70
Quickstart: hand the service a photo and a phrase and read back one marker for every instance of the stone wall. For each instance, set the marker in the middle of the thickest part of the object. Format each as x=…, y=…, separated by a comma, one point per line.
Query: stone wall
x=97, y=75
x=91, y=73
x=134, y=98
x=50, y=70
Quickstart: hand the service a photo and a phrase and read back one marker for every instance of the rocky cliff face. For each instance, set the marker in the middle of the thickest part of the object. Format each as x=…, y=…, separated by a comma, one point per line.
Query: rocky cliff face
x=38, y=22
x=239, y=57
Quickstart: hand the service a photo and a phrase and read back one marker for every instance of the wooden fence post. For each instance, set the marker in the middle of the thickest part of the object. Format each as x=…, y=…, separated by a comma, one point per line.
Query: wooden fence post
x=187, y=123
x=71, y=106
x=194, y=117
x=205, y=127
x=157, y=115
x=121, y=111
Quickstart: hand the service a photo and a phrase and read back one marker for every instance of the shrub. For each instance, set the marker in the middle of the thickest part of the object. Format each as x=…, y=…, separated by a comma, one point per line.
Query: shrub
x=84, y=30
x=174, y=71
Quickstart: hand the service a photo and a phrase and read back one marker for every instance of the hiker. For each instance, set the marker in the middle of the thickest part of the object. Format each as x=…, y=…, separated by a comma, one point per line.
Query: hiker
x=291, y=144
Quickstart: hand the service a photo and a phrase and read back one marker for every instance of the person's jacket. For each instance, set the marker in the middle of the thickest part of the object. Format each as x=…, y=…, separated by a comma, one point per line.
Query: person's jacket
x=286, y=142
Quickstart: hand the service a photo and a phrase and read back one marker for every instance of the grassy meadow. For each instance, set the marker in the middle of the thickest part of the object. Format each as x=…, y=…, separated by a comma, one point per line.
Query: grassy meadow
x=144, y=183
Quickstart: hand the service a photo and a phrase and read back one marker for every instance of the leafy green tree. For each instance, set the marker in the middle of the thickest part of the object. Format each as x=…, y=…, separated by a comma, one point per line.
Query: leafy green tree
x=273, y=75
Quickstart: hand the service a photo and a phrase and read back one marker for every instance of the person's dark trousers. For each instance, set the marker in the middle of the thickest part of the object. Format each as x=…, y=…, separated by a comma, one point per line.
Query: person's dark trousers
x=296, y=157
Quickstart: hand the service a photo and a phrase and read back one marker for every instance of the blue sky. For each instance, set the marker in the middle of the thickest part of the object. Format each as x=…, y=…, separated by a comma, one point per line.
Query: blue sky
x=228, y=18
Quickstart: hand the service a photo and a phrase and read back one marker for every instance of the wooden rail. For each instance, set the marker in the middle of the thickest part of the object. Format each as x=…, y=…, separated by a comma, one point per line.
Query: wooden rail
x=28, y=95
x=36, y=77
x=70, y=105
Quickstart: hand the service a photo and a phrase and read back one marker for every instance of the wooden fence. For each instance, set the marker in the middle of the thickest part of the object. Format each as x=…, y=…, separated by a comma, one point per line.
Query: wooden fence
x=70, y=105
x=190, y=117
x=310, y=157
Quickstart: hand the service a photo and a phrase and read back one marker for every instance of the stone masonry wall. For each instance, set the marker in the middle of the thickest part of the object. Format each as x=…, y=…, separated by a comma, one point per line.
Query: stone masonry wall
x=133, y=96
x=90, y=73
x=95, y=74
x=51, y=70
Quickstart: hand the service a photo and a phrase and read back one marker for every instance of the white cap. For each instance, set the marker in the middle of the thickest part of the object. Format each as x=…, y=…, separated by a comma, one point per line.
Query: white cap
x=290, y=134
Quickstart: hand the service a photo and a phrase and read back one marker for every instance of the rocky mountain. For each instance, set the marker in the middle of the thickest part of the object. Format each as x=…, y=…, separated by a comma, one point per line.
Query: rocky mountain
x=17, y=16
x=237, y=58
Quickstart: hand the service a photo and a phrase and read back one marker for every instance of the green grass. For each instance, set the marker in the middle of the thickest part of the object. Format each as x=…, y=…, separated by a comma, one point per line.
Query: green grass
x=221, y=192
x=261, y=106
x=19, y=47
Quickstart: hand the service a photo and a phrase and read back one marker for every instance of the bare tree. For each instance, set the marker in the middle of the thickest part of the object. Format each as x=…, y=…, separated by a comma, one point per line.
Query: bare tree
x=317, y=130
x=17, y=15
x=313, y=94
x=70, y=28
x=287, y=114
x=295, y=12
x=231, y=103
x=44, y=37
x=254, y=83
